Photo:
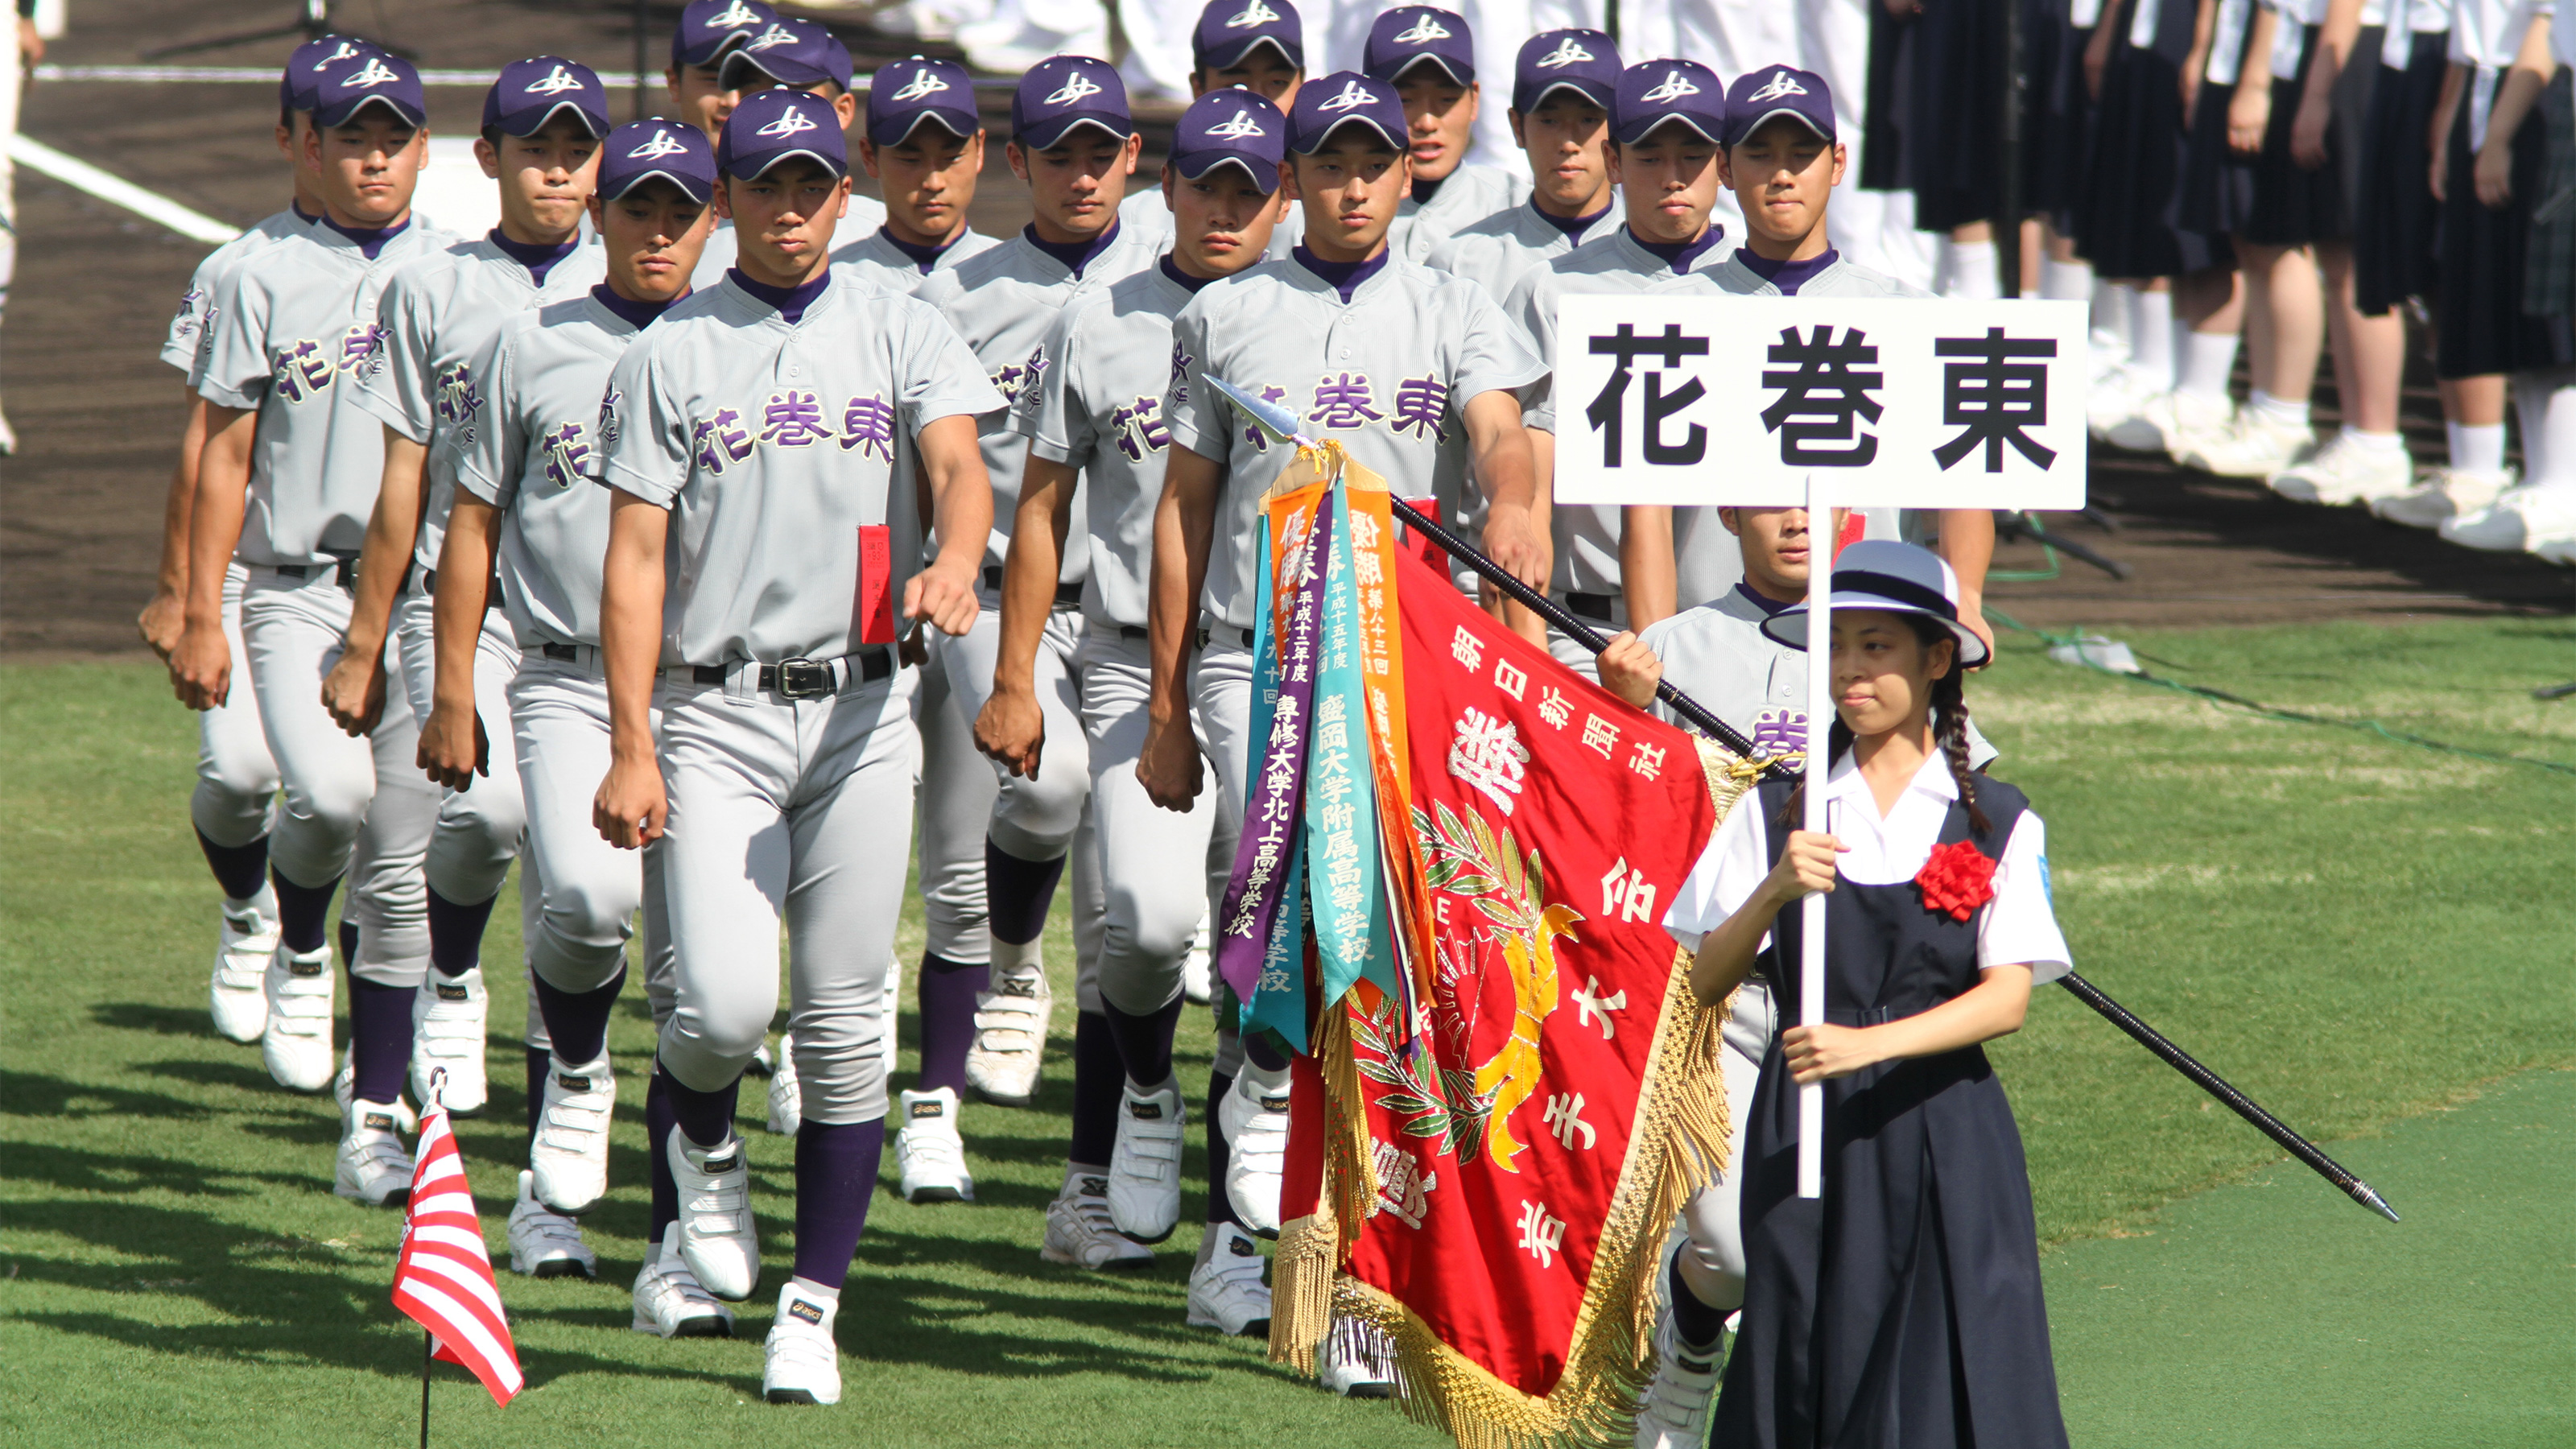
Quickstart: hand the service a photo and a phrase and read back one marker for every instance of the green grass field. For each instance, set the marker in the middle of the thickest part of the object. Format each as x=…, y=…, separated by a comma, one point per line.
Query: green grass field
x=2363, y=935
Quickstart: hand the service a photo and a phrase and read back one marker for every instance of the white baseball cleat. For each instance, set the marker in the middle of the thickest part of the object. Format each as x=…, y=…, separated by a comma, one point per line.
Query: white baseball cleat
x=800, y=1363
x=1198, y=969
x=668, y=1300
x=1010, y=1037
x=1145, y=1166
x=1673, y=1412
x=2442, y=494
x=300, y=990
x=1256, y=1135
x=1356, y=1360
x=373, y=1168
x=1080, y=1234
x=344, y=1088
x=1226, y=1291
x=2520, y=519
x=2343, y=473
x=569, y=1158
x=786, y=1098
x=545, y=1243
x=448, y=1016
x=237, y=994
x=718, y=1238
x=930, y=1153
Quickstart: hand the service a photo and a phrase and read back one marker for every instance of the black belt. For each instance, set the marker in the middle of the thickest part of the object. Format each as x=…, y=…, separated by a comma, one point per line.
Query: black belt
x=567, y=654
x=1227, y=632
x=344, y=571
x=491, y=595
x=1600, y=608
x=1066, y=595
x=805, y=678
x=1133, y=635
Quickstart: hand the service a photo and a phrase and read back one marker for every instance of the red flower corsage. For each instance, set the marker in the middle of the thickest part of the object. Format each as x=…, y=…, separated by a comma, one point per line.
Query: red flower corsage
x=1957, y=879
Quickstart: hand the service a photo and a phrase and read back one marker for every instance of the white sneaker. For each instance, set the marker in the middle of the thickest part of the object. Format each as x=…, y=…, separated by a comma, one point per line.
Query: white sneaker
x=448, y=1016
x=929, y=1151
x=801, y=1364
x=2170, y=422
x=668, y=1300
x=2342, y=472
x=2520, y=519
x=237, y=994
x=373, y=1168
x=1198, y=969
x=2253, y=448
x=1256, y=1137
x=2443, y=493
x=2114, y=398
x=569, y=1158
x=344, y=1088
x=545, y=1243
x=1145, y=1166
x=1010, y=1037
x=1356, y=1361
x=1673, y=1412
x=1226, y=1291
x=786, y=1099
x=300, y=990
x=718, y=1238
x=1080, y=1234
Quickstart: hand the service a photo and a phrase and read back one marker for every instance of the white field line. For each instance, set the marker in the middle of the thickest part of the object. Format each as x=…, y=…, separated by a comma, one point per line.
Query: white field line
x=72, y=171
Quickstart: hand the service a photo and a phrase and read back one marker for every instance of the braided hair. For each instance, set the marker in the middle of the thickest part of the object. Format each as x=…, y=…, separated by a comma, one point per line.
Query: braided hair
x=1949, y=733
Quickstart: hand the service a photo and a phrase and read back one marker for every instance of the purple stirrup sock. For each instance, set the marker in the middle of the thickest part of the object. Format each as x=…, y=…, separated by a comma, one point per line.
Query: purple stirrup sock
x=836, y=1172
x=1145, y=1042
x=456, y=934
x=946, y=990
x=578, y=1020
x=379, y=1038
x=1220, y=1202
x=539, y=1063
x=348, y=940
x=1018, y=893
x=705, y=1118
x=303, y=912
x=659, y=1123
x=239, y=869
x=1096, y=1079
x=1262, y=1052
x=1697, y=1324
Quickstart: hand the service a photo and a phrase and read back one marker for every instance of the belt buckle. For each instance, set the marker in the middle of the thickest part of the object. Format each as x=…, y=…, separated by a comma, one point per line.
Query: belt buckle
x=804, y=678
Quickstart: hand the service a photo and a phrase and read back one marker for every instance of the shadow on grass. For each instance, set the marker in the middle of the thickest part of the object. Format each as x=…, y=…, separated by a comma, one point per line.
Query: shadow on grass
x=159, y=1020
x=31, y=1094
x=73, y=1170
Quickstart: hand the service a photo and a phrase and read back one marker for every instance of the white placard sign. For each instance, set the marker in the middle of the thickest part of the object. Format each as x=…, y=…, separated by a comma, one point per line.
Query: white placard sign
x=1888, y=402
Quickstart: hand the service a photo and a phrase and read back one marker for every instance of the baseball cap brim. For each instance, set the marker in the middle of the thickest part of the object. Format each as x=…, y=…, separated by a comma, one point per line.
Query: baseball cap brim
x=895, y=130
x=693, y=187
x=342, y=113
x=1045, y=135
x=535, y=118
x=771, y=162
x=1638, y=130
x=1740, y=131
x=1397, y=141
x=1237, y=52
x=1458, y=71
x=784, y=70
x=1596, y=92
x=1195, y=165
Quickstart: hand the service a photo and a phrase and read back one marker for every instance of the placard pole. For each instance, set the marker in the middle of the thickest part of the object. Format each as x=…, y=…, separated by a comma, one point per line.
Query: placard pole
x=1820, y=716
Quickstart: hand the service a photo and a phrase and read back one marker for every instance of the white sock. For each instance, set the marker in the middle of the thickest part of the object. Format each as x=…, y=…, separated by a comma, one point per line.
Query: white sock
x=2477, y=448
x=265, y=902
x=2561, y=431
x=2208, y=360
x=2276, y=412
x=2151, y=349
x=1968, y=272
x=1017, y=958
x=1267, y=1083
x=2111, y=314
x=2065, y=281
x=1075, y=1172
x=2546, y=403
x=812, y=1289
x=2352, y=437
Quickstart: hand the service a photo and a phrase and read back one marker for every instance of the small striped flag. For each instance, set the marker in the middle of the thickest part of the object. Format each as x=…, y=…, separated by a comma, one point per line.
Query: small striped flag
x=444, y=1280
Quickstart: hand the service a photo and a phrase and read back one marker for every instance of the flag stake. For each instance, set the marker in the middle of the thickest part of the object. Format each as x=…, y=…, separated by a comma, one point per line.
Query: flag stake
x=1811, y=911
x=427, y=1341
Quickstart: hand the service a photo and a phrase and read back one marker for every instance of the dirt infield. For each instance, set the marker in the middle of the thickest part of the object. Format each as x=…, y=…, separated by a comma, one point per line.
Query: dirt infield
x=97, y=412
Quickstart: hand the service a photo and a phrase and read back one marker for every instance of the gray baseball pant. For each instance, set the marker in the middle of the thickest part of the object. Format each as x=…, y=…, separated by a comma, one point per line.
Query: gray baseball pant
x=1151, y=909
x=478, y=829
x=235, y=801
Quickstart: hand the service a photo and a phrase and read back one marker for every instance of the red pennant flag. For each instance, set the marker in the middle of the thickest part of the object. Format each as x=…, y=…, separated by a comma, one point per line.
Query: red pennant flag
x=444, y=1280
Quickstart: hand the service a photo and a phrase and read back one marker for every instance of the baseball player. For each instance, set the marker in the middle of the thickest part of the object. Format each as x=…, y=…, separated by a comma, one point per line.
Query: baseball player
x=285, y=483
x=708, y=31
x=1256, y=44
x=722, y=50
x=1429, y=56
x=542, y=120
x=527, y=518
x=766, y=441
x=1563, y=85
x=924, y=147
x=1094, y=420
x=1073, y=142
x=1415, y=372
x=233, y=807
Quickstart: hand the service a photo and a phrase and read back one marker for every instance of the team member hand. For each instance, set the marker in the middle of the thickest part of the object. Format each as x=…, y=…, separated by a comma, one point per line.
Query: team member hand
x=1168, y=766
x=2249, y=115
x=1806, y=867
x=162, y=622
x=631, y=808
x=1012, y=729
x=453, y=747
x=201, y=668
x=1513, y=543
x=354, y=691
x=944, y=594
x=912, y=649
x=1821, y=1053
x=1972, y=612
x=2308, y=130
x=1630, y=670
x=2494, y=175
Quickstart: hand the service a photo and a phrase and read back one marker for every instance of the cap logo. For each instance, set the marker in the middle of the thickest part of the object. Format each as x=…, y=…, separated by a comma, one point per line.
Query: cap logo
x=736, y=16
x=555, y=83
x=1251, y=15
x=1569, y=51
x=1353, y=96
x=345, y=51
x=660, y=146
x=375, y=73
x=1783, y=84
x=923, y=83
x=1076, y=87
x=1422, y=32
x=793, y=123
x=771, y=38
x=1237, y=127
x=1675, y=86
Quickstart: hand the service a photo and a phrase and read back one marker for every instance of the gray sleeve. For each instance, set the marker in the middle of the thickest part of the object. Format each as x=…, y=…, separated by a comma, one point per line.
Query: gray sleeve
x=1491, y=355
x=646, y=436
x=234, y=367
x=1532, y=310
x=1058, y=427
x=1192, y=411
x=394, y=385
x=491, y=457
x=941, y=378
x=188, y=324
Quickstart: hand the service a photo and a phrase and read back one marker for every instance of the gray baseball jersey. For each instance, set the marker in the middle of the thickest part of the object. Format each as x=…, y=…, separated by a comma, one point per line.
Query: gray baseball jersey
x=877, y=261
x=1387, y=373
x=1464, y=197
x=1100, y=409
x=1838, y=279
x=184, y=347
x=1003, y=302
x=799, y=433
x=535, y=457
x=866, y=214
x=290, y=329
x=1500, y=249
x=438, y=318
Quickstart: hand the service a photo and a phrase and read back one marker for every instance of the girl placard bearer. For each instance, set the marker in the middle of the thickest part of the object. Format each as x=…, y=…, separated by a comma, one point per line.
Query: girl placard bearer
x=1903, y=1306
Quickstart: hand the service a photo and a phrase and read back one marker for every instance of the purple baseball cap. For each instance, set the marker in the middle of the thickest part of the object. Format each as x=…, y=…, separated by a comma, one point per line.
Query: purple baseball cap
x=1410, y=34
x=352, y=83
x=300, y=83
x=790, y=52
x=1778, y=90
x=1684, y=91
x=531, y=91
x=905, y=93
x=1229, y=30
x=1065, y=91
x=772, y=125
x=1346, y=96
x=1231, y=126
x=1582, y=61
x=641, y=150
x=709, y=28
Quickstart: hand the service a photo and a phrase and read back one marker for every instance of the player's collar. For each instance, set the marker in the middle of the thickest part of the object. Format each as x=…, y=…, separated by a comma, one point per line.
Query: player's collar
x=789, y=305
x=1685, y=259
x=1075, y=257
x=1346, y=278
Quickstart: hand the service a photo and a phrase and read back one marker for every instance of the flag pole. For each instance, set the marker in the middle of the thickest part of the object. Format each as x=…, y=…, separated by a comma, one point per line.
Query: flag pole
x=1811, y=920
x=427, y=1341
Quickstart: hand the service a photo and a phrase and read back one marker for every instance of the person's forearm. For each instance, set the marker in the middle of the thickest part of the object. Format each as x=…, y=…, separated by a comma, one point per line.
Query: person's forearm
x=1649, y=574
x=463, y=595
x=180, y=506
x=961, y=505
x=630, y=622
x=2254, y=63
x=1726, y=955
x=392, y=528
x=1184, y=527
x=1029, y=570
x=2446, y=111
x=2533, y=66
x=1968, y=544
x=215, y=518
x=1995, y=1006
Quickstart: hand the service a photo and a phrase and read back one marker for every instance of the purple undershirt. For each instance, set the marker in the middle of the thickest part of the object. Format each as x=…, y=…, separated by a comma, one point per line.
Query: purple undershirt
x=639, y=315
x=1680, y=255
x=1573, y=226
x=539, y=260
x=1787, y=276
x=301, y=214
x=791, y=302
x=1074, y=255
x=1766, y=605
x=923, y=258
x=1181, y=279
x=1424, y=190
x=370, y=239
x=1345, y=277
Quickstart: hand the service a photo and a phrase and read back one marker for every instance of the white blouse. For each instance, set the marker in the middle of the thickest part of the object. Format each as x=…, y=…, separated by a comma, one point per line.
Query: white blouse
x=2017, y=928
